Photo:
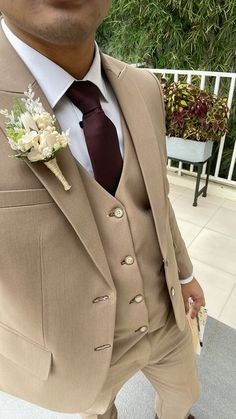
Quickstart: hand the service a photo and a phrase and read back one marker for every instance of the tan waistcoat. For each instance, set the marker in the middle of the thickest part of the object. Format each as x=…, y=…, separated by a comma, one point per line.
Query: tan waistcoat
x=133, y=254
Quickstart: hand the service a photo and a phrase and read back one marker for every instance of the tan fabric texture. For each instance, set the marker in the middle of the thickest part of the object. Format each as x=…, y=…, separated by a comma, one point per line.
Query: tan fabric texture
x=132, y=235
x=171, y=369
x=53, y=338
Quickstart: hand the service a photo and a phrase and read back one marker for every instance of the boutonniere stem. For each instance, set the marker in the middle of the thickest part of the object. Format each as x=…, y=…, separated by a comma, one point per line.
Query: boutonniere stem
x=55, y=169
x=32, y=134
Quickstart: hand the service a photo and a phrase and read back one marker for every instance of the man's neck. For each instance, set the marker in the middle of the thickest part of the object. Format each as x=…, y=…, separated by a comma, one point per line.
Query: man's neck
x=76, y=60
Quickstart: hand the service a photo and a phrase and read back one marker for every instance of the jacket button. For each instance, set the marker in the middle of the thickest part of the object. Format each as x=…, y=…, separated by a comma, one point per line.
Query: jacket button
x=142, y=329
x=138, y=299
x=102, y=347
x=128, y=260
x=166, y=262
x=117, y=212
x=172, y=291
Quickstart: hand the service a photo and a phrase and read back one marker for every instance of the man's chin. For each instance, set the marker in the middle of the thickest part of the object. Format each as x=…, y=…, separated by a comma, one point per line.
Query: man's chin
x=63, y=39
x=63, y=31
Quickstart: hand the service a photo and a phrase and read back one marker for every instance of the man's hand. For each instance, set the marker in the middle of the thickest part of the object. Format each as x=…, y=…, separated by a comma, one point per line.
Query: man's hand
x=194, y=291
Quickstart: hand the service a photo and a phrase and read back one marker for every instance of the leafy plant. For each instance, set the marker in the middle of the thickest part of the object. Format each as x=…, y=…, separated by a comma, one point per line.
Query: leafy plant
x=192, y=113
x=181, y=34
x=188, y=34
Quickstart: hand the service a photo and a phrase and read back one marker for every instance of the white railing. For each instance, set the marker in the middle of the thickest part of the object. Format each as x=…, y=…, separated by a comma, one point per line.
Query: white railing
x=216, y=81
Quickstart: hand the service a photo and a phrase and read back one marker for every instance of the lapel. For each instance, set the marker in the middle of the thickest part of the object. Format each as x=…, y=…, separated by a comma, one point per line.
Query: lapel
x=145, y=140
x=14, y=80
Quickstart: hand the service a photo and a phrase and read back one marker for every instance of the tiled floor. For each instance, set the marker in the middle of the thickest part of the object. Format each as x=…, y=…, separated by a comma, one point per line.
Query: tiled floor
x=209, y=231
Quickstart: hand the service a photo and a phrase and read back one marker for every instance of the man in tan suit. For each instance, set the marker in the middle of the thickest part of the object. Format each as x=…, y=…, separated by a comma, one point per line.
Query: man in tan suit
x=92, y=284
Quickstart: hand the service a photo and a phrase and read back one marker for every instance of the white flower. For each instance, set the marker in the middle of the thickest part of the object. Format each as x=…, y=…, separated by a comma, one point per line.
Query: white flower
x=28, y=122
x=43, y=120
x=34, y=155
x=33, y=133
x=13, y=144
x=4, y=112
x=33, y=106
x=48, y=139
x=27, y=141
x=64, y=138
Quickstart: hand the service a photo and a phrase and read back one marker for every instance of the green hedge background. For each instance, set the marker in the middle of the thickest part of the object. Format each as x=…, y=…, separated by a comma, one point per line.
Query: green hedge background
x=188, y=34
x=177, y=34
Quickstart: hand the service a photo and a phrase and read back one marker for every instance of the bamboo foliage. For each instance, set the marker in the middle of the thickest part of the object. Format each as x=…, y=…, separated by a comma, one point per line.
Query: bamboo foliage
x=181, y=34
x=193, y=34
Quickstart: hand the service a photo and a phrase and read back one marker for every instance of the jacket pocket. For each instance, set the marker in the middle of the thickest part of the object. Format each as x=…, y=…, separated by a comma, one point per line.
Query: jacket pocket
x=27, y=354
x=18, y=198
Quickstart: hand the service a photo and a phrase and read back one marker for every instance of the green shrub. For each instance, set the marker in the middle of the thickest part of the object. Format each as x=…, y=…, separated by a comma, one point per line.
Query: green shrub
x=188, y=34
x=178, y=34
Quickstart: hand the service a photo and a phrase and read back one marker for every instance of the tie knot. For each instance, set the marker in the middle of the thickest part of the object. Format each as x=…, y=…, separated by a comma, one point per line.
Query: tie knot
x=85, y=95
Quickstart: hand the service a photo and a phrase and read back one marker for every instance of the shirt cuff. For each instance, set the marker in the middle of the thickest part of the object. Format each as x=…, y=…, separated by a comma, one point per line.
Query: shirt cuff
x=186, y=280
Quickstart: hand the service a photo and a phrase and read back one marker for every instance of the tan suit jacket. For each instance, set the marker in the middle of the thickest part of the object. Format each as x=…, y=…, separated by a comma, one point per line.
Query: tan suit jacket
x=53, y=338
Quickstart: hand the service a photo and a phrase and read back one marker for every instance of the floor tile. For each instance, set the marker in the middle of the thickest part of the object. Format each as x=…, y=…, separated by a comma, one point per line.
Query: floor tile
x=210, y=198
x=228, y=314
x=199, y=215
x=209, y=231
x=175, y=192
x=224, y=221
x=215, y=249
x=214, y=199
x=173, y=195
x=217, y=286
x=188, y=230
x=228, y=203
x=177, y=189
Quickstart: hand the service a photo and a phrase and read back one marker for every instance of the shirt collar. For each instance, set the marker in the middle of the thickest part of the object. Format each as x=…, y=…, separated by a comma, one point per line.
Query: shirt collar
x=57, y=80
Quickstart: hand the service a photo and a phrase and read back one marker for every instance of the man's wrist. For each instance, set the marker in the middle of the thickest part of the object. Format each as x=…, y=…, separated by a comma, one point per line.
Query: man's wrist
x=184, y=281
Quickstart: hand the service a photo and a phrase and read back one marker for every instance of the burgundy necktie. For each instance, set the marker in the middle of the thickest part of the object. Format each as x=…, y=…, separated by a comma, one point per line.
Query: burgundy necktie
x=100, y=135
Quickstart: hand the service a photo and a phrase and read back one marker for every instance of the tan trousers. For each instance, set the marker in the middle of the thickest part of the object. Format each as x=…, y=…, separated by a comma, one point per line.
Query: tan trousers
x=167, y=359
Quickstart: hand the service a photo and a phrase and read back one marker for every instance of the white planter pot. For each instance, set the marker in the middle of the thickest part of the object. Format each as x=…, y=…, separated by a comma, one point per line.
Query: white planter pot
x=188, y=150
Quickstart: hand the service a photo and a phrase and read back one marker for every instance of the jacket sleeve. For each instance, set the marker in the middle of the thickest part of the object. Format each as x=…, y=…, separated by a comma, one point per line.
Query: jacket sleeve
x=184, y=263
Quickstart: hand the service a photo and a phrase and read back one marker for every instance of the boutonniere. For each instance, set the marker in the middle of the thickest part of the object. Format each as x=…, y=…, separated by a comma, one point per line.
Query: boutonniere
x=31, y=132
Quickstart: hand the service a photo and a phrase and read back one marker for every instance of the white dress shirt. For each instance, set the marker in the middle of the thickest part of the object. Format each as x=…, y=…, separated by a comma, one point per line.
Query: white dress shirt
x=68, y=115
x=55, y=86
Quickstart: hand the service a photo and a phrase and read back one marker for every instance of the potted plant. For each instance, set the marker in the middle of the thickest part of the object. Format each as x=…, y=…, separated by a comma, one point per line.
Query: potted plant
x=194, y=119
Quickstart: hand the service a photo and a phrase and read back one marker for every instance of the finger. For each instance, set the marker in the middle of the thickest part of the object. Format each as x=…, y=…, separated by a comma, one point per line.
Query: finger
x=186, y=305
x=198, y=303
x=194, y=312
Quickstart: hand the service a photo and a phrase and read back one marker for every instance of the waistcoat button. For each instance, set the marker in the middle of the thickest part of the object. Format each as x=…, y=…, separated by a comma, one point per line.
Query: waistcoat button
x=137, y=299
x=117, y=212
x=142, y=329
x=128, y=260
x=172, y=291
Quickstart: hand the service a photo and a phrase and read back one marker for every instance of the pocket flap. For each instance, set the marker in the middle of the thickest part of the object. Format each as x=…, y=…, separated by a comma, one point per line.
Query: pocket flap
x=25, y=353
x=18, y=198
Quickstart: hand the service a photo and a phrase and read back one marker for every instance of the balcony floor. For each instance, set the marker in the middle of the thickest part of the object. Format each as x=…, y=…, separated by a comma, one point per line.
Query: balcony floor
x=209, y=231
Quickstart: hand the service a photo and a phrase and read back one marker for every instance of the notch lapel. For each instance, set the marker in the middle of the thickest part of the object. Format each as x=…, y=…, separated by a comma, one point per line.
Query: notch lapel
x=145, y=140
x=74, y=203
